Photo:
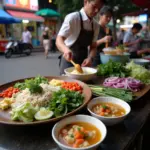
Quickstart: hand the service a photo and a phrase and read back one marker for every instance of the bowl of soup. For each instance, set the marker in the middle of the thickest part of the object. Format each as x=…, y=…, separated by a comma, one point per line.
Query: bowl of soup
x=88, y=73
x=80, y=132
x=109, y=110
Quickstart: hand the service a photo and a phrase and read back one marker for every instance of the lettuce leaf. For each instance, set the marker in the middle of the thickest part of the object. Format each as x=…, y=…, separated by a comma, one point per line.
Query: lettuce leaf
x=139, y=72
x=24, y=112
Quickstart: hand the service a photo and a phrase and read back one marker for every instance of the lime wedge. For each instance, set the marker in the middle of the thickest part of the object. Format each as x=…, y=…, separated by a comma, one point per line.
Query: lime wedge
x=43, y=114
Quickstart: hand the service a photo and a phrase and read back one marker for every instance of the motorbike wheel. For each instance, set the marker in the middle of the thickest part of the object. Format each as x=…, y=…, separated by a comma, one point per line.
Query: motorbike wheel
x=8, y=54
x=29, y=52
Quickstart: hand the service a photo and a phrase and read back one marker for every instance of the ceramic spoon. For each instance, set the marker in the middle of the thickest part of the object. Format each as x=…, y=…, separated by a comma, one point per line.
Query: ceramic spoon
x=77, y=66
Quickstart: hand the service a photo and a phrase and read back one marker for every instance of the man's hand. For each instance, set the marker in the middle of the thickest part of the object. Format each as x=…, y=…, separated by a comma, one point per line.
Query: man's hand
x=68, y=55
x=87, y=62
x=138, y=41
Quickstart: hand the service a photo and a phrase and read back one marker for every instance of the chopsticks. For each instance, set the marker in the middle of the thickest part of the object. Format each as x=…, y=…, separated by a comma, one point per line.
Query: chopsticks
x=107, y=43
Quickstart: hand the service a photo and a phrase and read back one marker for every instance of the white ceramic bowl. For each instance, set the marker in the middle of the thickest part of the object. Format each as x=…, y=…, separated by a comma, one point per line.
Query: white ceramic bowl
x=141, y=61
x=78, y=118
x=83, y=77
x=109, y=120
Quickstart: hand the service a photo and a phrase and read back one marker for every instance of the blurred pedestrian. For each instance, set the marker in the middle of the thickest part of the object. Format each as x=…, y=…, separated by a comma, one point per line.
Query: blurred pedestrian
x=26, y=36
x=105, y=34
x=120, y=36
x=132, y=41
x=46, y=41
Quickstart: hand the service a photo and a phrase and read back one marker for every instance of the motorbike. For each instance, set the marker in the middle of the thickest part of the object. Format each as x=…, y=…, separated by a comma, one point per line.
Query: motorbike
x=17, y=47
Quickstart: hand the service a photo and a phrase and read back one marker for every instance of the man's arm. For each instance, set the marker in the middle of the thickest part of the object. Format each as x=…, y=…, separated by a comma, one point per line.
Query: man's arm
x=92, y=51
x=130, y=43
x=126, y=40
x=66, y=30
x=60, y=43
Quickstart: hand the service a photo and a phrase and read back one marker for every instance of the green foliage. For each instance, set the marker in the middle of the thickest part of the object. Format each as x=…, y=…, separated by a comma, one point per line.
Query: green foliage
x=124, y=6
x=67, y=6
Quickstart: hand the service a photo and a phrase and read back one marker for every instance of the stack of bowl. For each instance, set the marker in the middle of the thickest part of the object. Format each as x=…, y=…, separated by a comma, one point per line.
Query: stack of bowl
x=124, y=58
x=114, y=54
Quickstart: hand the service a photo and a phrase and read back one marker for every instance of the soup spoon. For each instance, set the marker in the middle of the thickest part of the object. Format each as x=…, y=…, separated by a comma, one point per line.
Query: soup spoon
x=77, y=66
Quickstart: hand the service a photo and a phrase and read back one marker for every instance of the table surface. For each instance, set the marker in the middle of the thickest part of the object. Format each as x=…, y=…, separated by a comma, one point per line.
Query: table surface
x=119, y=137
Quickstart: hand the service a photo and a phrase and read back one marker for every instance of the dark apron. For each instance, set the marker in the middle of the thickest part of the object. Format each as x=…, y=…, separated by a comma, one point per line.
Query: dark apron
x=79, y=48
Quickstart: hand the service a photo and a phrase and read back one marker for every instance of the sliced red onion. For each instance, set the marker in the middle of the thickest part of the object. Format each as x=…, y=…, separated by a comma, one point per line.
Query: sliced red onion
x=126, y=83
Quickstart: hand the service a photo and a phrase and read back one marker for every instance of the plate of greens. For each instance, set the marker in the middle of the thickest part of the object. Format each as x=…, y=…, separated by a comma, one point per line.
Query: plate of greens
x=39, y=100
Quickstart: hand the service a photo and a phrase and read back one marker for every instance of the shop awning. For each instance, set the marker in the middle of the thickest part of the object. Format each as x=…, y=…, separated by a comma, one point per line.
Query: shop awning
x=26, y=16
x=48, y=13
x=5, y=18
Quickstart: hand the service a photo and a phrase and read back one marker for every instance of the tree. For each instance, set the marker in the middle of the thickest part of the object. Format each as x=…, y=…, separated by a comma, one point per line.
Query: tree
x=67, y=6
x=119, y=7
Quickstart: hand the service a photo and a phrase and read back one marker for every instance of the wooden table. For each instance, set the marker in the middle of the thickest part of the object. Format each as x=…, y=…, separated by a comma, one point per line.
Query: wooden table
x=123, y=136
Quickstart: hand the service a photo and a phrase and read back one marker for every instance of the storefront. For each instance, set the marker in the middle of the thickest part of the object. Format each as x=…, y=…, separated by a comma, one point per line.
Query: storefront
x=51, y=23
x=24, y=10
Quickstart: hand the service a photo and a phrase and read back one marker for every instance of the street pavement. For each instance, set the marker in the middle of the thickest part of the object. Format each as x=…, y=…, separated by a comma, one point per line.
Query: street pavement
x=18, y=67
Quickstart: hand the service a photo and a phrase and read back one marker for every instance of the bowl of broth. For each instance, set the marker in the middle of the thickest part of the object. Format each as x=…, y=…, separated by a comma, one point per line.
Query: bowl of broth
x=109, y=110
x=80, y=132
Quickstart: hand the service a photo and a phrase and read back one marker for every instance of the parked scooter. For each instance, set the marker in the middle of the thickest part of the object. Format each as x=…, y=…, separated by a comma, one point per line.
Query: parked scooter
x=17, y=47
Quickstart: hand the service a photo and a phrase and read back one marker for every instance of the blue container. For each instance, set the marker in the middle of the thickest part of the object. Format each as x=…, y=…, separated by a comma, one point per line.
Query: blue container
x=116, y=58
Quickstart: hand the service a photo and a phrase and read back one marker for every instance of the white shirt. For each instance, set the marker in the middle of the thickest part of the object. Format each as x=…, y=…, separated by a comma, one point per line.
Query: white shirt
x=72, y=25
x=26, y=37
x=130, y=37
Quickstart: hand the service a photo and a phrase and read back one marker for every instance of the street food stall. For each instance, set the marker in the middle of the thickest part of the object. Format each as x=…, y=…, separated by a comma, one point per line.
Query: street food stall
x=42, y=120
x=5, y=18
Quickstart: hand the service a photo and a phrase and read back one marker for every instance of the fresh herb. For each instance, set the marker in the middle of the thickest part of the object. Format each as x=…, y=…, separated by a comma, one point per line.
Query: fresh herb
x=20, y=86
x=39, y=79
x=112, y=68
x=32, y=84
x=104, y=106
x=71, y=135
x=120, y=47
x=79, y=129
x=64, y=101
x=123, y=94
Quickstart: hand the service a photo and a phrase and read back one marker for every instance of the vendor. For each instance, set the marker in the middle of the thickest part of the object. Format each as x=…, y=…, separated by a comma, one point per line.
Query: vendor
x=79, y=31
x=103, y=37
x=132, y=41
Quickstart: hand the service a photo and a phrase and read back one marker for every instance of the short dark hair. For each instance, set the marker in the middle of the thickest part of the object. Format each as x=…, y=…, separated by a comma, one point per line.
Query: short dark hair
x=106, y=9
x=137, y=26
x=104, y=1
